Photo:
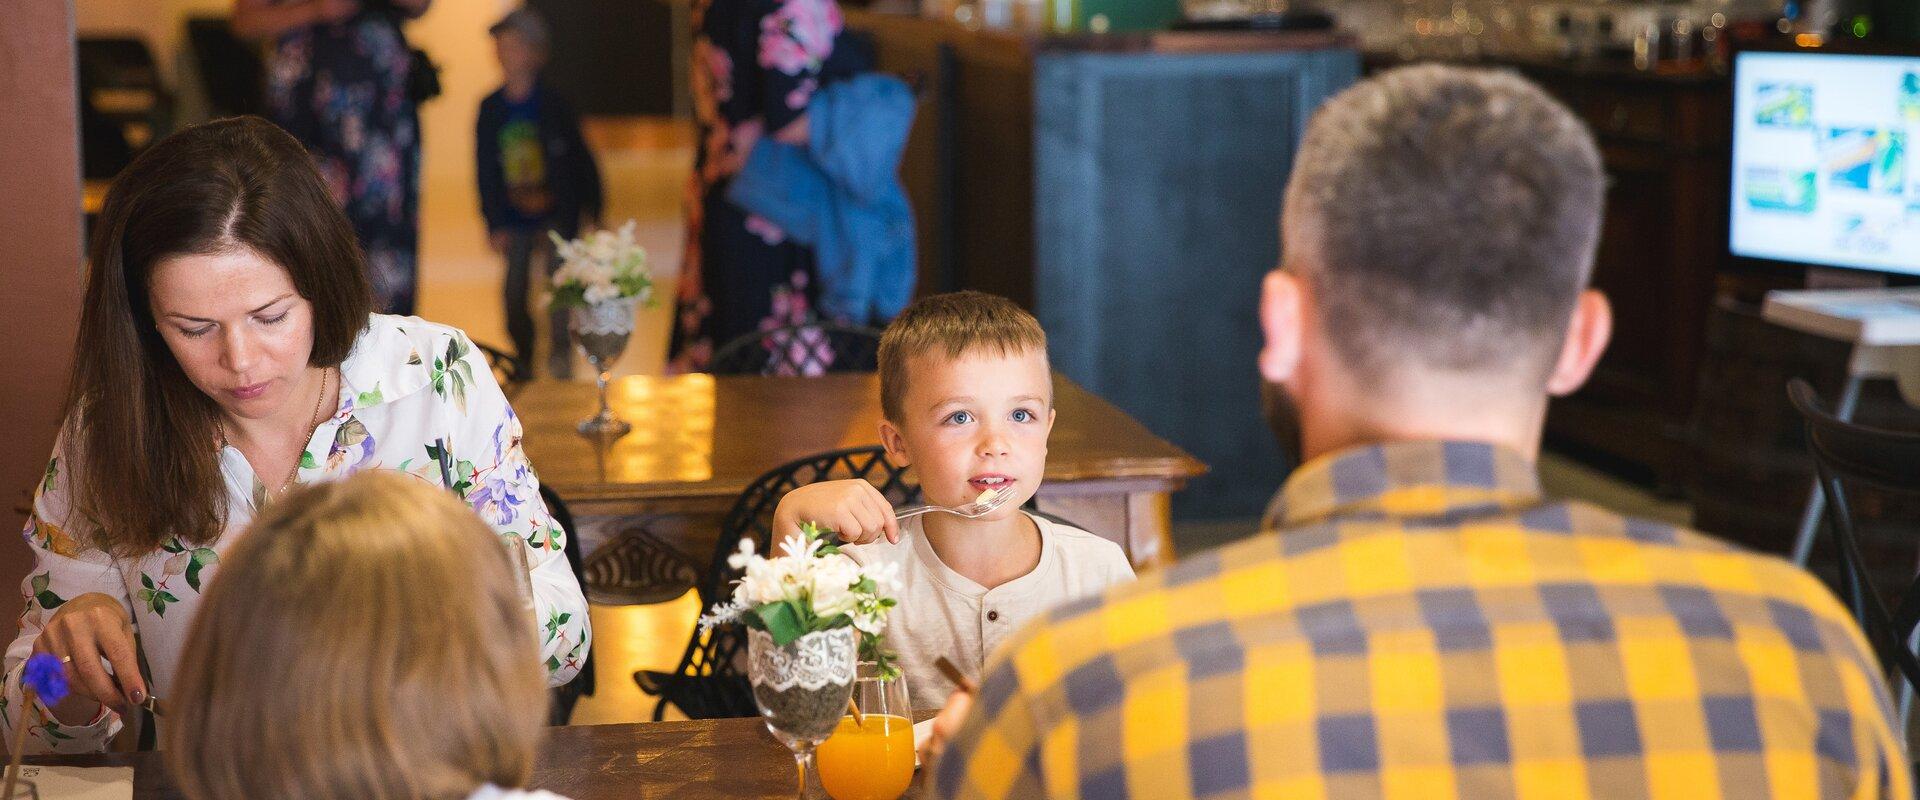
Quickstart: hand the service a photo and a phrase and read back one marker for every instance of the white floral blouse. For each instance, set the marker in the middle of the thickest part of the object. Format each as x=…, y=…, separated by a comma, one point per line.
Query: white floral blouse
x=408, y=385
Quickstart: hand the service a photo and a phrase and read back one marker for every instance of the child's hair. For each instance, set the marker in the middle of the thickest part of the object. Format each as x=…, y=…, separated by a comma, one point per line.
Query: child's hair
x=952, y=324
x=527, y=23
x=365, y=640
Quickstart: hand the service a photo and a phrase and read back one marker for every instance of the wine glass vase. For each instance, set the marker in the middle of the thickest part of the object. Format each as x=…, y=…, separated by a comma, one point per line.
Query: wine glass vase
x=602, y=329
x=802, y=688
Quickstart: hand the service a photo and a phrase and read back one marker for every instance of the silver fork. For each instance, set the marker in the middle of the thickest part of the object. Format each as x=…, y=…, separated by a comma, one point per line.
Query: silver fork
x=973, y=510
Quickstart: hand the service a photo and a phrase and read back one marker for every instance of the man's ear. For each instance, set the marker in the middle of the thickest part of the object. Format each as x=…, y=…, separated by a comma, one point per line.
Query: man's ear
x=1282, y=301
x=895, y=444
x=1587, y=336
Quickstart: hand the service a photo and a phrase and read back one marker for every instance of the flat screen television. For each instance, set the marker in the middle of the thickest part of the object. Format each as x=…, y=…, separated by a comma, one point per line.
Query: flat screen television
x=1823, y=159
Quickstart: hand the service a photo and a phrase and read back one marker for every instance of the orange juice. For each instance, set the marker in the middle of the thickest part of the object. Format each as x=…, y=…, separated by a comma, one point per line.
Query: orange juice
x=873, y=761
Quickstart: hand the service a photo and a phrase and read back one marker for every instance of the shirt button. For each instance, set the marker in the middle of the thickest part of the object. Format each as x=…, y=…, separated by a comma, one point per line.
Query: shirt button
x=993, y=616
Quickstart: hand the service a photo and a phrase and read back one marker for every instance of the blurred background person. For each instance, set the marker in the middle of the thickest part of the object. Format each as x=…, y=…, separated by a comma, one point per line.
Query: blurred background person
x=342, y=79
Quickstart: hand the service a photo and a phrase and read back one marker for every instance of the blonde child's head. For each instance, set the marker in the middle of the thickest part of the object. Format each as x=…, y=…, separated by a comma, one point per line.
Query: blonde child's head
x=364, y=640
x=521, y=42
x=968, y=396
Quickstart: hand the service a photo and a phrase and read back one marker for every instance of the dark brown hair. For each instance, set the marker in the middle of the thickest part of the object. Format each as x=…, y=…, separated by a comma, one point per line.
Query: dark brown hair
x=143, y=434
x=951, y=324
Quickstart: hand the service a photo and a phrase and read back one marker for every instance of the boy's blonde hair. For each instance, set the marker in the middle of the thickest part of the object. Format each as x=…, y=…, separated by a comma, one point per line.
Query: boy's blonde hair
x=952, y=324
x=365, y=640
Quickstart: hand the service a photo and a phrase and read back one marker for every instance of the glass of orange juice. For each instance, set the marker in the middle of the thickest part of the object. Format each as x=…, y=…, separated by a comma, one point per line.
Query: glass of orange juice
x=871, y=759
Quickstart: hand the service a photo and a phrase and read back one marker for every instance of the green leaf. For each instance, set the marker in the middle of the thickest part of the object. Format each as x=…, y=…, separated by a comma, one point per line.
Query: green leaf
x=173, y=545
x=372, y=398
x=783, y=622
x=553, y=664
x=460, y=377
x=146, y=580
x=41, y=582
x=307, y=461
x=49, y=600
x=202, y=556
x=53, y=470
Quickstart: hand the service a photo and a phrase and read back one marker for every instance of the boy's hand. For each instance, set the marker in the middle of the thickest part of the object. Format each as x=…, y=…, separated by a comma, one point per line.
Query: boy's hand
x=855, y=511
x=946, y=725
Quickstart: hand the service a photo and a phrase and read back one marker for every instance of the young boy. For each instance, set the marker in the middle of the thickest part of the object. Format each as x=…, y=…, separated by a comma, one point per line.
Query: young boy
x=536, y=175
x=968, y=400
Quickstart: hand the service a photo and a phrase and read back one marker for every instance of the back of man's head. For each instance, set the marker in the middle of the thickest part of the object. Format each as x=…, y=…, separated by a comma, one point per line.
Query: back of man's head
x=1446, y=220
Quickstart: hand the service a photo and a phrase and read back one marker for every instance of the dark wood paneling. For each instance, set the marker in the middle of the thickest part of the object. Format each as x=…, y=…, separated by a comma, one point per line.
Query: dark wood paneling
x=1665, y=144
x=612, y=57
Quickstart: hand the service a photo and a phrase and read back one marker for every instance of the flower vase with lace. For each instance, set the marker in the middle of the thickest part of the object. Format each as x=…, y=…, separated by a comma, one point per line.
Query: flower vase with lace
x=602, y=277
x=812, y=614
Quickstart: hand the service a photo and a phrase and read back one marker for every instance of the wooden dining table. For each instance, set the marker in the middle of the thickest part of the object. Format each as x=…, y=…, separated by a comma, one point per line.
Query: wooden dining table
x=725, y=758
x=699, y=440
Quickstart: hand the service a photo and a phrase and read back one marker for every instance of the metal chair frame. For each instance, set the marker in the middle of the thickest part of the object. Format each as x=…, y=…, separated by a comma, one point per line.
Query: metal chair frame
x=710, y=680
x=785, y=351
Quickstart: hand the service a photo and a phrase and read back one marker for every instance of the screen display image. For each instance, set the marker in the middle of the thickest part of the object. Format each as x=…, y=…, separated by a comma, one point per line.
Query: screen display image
x=1823, y=168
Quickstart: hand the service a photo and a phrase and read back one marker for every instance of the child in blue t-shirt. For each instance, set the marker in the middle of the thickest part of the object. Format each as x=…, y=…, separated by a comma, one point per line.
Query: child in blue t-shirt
x=536, y=175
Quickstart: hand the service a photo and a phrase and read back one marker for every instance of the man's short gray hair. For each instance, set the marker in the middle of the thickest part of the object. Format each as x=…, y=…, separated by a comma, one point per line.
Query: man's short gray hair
x=1450, y=217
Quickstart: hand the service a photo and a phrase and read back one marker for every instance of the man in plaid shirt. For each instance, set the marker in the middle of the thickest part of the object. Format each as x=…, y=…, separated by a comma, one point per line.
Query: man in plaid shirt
x=1420, y=621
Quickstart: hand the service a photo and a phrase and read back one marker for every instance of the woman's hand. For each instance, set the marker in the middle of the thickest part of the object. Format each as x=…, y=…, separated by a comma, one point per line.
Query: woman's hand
x=854, y=509
x=89, y=629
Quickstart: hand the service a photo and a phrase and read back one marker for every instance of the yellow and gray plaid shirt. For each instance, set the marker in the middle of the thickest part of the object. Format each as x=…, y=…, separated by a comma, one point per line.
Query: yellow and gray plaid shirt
x=1426, y=625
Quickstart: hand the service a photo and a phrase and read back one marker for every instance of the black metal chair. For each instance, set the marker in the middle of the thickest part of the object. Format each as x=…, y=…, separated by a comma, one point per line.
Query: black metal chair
x=806, y=350
x=1848, y=453
x=507, y=368
x=564, y=698
x=710, y=681
x=639, y=568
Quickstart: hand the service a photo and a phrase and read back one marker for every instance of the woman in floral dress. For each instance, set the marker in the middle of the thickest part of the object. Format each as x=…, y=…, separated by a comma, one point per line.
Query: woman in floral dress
x=756, y=63
x=337, y=80
x=226, y=354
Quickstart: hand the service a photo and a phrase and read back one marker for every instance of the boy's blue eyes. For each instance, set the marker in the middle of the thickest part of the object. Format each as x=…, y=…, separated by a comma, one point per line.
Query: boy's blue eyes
x=964, y=417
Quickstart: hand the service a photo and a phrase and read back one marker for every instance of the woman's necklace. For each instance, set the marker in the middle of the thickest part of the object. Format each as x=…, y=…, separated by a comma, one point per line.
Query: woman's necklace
x=314, y=425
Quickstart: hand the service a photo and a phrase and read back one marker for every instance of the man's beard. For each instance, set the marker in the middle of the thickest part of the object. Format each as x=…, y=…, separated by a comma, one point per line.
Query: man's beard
x=1283, y=418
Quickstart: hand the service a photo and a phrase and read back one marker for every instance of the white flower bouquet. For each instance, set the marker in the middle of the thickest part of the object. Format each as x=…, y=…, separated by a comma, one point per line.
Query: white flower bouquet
x=810, y=587
x=601, y=266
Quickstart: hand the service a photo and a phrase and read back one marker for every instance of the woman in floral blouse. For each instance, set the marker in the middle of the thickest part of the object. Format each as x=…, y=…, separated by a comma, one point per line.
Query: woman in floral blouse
x=756, y=64
x=226, y=354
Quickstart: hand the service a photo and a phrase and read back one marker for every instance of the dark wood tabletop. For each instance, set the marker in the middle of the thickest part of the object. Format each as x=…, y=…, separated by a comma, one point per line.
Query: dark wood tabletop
x=729, y=758
x=698, y=440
